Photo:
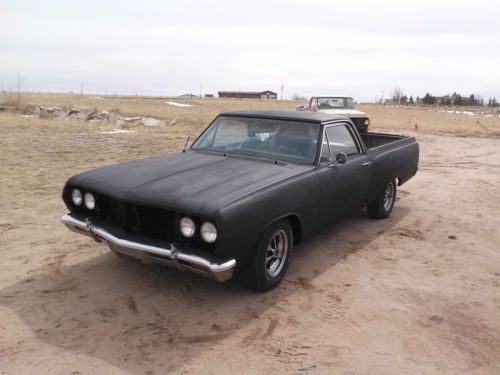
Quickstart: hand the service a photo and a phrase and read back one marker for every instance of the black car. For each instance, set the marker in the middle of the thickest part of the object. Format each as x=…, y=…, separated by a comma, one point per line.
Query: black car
x=253, y=185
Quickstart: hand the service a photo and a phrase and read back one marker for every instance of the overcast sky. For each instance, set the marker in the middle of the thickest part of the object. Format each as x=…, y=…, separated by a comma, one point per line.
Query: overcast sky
x=312, y=47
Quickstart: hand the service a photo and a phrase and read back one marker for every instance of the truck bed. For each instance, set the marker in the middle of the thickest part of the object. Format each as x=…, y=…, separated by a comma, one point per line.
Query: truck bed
x=373, y=140
x=393, y=156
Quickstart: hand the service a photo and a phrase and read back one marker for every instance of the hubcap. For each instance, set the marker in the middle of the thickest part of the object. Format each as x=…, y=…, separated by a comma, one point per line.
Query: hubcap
x=388, y=196
x=277, y=252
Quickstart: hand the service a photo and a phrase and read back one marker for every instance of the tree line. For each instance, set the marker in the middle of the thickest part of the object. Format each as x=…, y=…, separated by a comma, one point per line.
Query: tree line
x=454, y=99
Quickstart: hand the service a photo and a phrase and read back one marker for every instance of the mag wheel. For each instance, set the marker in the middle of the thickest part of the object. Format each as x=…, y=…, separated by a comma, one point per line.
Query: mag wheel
x=270, y=261
x=382, y=206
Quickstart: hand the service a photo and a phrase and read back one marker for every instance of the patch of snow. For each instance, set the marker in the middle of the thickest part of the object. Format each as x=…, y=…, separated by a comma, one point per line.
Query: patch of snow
x=175, y=104
x=114, y=131
x=117, y=131
x=468, y=113
x=149, y=121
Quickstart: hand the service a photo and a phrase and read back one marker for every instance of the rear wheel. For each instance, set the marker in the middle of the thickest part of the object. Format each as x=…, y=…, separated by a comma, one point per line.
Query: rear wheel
x=382, y=206
x=270, y=261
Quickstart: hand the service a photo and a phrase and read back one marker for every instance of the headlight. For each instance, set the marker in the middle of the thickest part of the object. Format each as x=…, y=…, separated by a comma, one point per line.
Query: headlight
x=76, y=197
x=208, y=232
x=89, y=200
x=187, y=227
x=367, y=121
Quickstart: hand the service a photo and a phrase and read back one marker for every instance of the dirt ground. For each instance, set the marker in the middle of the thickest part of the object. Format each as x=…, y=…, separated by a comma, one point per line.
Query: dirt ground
x=416, y=293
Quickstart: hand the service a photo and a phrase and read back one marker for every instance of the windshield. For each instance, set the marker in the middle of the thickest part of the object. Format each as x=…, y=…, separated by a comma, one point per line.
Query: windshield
x=280, y=140
x=335, y=102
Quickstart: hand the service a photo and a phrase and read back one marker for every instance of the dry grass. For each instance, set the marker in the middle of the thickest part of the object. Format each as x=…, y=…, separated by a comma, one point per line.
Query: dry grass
x=204, y=110
x=430, y=121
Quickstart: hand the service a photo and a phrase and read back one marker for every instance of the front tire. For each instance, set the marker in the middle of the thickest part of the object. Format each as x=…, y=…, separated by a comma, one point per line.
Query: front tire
x=381, y=207
x=270, y=261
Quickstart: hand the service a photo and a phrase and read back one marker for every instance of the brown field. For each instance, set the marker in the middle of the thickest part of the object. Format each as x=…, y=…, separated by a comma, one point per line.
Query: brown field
x=416, y=293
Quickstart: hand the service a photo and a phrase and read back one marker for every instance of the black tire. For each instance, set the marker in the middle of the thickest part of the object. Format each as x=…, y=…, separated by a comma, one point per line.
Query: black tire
x=382, y=206
x=262, y=272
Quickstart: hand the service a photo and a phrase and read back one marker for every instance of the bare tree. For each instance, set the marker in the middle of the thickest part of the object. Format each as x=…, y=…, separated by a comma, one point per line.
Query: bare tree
x=19, y=87
x=397, y=95
x=298, y=97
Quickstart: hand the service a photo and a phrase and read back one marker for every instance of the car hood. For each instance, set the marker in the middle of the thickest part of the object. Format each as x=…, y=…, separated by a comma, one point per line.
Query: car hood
x=185, y=181
x=345, y=112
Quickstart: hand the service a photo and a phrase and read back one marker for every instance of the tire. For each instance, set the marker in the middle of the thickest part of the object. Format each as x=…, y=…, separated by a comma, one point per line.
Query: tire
x=270, y=261
x=381, y=207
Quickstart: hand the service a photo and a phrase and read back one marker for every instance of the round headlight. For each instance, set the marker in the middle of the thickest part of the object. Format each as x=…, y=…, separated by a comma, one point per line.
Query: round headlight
x=367, y=121
x=76, y=197
x=187, y=227
x=89, y=200
x=208, y=232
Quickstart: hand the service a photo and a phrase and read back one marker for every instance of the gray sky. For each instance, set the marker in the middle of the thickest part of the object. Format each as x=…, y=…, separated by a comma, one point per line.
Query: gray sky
x=359, y=48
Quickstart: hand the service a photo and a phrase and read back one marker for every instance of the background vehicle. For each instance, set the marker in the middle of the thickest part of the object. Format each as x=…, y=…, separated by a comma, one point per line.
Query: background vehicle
x=253, y=184
x=340, y=105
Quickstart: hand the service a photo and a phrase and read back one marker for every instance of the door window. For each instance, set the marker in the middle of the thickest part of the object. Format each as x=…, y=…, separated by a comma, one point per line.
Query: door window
x=340, y=140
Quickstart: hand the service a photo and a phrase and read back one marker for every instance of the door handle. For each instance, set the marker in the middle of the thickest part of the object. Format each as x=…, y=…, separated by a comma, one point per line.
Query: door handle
x=366, y=165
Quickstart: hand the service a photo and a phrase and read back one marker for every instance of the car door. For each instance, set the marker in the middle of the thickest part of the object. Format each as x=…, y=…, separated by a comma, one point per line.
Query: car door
x=344, y=187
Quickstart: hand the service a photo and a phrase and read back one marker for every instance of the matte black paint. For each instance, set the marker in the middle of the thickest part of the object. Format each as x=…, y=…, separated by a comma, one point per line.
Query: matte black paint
x=242, y=196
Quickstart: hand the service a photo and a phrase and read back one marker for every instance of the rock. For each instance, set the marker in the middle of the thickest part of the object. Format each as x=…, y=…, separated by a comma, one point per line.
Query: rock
x=119, y=123
x=80, y=116
x=113, y=118
x=173, y=122
x=64, y=113
x=91, y=115
x=131, y=119
x=53, y=109
x=150, y=121
x=73, y=111
x=2, y=108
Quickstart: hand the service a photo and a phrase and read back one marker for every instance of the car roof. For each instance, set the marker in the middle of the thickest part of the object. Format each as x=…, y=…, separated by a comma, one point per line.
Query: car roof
x=332, y=96
x=315, y=117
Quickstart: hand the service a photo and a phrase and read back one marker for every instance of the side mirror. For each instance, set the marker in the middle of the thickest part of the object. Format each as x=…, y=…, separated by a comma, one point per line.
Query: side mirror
x=341, y=158
x=324, y=159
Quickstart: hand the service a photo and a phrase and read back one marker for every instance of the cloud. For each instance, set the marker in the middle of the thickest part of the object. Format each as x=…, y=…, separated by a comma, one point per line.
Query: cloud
x=319, y=46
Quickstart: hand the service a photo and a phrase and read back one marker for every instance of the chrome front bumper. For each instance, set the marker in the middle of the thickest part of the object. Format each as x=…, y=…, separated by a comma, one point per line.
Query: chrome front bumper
x=153, y=254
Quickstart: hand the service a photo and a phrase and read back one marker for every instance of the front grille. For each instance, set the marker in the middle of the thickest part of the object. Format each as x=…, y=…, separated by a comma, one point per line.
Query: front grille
x=151, y=222
x=155, y=223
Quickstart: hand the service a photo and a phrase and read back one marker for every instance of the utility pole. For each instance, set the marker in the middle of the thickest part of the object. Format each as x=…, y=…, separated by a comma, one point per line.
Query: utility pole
x=81, y=88
x=282, y=91
x=201, y=84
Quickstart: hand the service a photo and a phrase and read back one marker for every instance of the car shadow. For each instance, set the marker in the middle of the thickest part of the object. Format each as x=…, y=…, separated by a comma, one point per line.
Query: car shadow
x=137, y=317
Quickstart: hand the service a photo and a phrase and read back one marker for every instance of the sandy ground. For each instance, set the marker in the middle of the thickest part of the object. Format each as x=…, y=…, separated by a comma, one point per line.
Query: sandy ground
x=416, y=293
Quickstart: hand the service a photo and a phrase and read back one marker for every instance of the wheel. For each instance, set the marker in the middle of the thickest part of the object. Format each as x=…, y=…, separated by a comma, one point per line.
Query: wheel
x=270, y=261
x=382, y=206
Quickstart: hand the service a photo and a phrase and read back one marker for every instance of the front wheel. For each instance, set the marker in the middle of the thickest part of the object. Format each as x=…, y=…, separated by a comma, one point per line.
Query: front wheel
x=382, y=206
x=270, y=261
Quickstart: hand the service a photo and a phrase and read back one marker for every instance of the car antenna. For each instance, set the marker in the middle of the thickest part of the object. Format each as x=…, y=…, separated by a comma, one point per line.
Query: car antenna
x=187, y=140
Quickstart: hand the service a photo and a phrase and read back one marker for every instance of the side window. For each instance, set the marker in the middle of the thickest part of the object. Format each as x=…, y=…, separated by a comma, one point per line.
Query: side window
x=340, y=140
x=325, y=150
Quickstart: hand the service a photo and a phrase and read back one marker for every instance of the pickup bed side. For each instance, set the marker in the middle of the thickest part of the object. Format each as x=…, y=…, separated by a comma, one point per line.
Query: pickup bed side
x=392, y=157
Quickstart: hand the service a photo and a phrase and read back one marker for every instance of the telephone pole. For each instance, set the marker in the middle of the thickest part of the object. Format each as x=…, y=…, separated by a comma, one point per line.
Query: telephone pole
x=282, y=91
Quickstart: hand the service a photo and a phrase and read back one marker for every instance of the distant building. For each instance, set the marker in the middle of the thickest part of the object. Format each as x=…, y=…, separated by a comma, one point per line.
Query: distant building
x=209, y=95
x=248, y=94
